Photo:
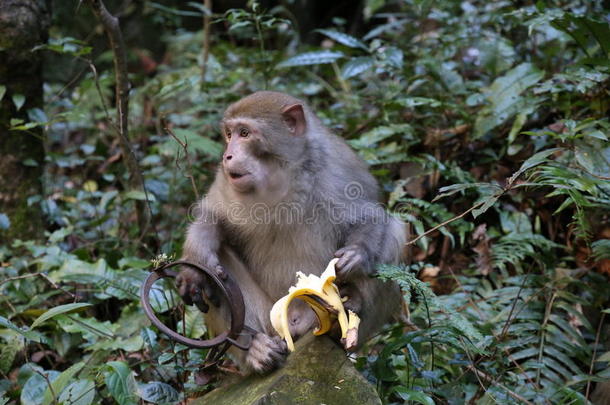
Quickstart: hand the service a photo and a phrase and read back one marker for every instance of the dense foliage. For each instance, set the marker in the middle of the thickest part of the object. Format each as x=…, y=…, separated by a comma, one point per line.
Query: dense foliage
x=496, y=112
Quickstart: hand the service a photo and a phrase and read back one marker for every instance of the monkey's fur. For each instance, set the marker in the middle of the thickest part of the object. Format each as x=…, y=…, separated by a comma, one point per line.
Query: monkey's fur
x=289, y=196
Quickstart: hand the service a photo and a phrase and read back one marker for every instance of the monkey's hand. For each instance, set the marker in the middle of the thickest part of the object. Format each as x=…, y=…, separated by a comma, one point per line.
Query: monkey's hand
x=197, y=288
x=266, y=353
x=353, y=262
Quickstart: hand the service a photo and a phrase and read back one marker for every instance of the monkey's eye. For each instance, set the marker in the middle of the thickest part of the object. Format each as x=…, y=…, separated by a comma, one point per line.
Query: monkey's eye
x=228, y=134
x=243, y=132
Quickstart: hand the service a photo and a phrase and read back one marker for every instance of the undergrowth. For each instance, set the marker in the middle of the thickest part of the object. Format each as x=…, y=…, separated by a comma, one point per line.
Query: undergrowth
x=486, y=123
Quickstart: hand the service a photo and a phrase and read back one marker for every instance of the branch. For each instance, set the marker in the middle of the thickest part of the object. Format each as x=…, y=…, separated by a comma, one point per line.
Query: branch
x=115, y=37
x=429, y=231
x=184, y=146
x=207, y=22
x=29, y=275
x=597, y=336
x=490, y=380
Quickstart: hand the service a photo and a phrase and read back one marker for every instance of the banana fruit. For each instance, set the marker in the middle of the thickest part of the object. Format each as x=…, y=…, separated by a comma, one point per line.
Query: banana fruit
x=323, y=297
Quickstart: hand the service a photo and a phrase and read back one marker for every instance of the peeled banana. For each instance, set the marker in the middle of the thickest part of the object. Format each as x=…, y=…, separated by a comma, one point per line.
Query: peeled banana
x=323, y=297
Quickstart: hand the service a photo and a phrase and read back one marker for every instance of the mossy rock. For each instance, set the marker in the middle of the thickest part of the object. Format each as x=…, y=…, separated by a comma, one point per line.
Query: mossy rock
x=317, y=372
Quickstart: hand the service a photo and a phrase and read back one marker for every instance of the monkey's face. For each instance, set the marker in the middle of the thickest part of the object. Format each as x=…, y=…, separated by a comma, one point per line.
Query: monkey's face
x=262, y=139
x=243, y=161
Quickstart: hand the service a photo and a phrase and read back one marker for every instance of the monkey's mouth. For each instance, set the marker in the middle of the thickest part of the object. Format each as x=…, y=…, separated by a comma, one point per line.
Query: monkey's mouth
x=237, y=175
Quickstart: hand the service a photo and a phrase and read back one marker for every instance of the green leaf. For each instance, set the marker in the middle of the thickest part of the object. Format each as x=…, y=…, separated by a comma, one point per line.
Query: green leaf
x=138, y=195
x=166, y=357
x=35, y=386
x=80, y=392
x=485, y=206
x=194, y=323
x=121, y=383
x=417, y=101
x=371, y=138
x=312, y=58
x=355, y=66
x=411, y=395
x=158, y=393
x=343, y=38
x=62, y=309
x=90, y=328
x=582, y=29
x=597, y=134
x=517, y=125
x=196, y=142
x=133, y=263
x=593, y=156
x=150, y=338
x=7, y=354
x=531, y=162
x=504, y=97
x=2, y=91
x=60, y=383
x=18, y=100
x=604, y=357
x=454, y=188
x=25, y=127
x=28, y=334
x=394, y=56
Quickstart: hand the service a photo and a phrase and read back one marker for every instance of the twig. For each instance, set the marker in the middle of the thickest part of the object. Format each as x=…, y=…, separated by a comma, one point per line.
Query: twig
x=463, y=214
x=136, y=180
x=101, y=94
x=184, y=145
x=545, y=321
x=487, y=378
x=46, y=378
x=509, y=318
x=207, y=22
x=597, y=335
x=597, y=176
x=29, y=275
x=483, y=316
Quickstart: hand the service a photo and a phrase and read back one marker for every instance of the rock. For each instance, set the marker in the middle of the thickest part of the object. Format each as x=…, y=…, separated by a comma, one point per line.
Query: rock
x=317, y=372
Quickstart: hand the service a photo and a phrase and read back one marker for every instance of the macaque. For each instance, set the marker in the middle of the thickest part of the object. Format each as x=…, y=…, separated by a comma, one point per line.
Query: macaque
x=289, y=196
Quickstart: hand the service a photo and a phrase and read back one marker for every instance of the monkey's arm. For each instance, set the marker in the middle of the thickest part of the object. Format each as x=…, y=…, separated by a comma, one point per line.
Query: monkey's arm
x=201, y=246
x=373, y=237
x=377, y=238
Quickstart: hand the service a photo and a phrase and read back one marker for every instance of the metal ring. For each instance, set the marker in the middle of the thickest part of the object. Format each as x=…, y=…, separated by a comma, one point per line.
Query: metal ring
x=230, y=290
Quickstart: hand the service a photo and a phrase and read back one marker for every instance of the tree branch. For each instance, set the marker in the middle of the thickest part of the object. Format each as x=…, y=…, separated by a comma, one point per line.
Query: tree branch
x=184, y=146
x=44, y=276
x=429, y=231
x=115, y=37
x=207, y=22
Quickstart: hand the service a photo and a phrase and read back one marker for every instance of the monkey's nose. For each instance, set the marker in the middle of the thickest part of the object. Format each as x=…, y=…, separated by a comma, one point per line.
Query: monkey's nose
x=229, y=157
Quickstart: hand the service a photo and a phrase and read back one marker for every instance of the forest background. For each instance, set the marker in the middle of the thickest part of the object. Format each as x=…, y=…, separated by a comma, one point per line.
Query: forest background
x=486, y=123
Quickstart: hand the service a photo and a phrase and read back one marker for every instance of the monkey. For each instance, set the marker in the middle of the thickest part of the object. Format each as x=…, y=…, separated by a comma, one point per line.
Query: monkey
x=288, y=196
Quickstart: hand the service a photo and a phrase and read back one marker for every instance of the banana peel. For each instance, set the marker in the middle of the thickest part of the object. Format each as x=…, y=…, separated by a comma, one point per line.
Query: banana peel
x=323, y=297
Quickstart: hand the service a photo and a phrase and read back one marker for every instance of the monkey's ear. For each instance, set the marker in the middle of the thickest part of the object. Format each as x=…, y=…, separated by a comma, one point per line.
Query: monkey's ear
x=295, y=118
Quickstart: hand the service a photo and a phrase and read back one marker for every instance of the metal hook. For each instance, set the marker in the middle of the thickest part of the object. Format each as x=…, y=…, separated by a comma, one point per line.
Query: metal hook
x=231, y=291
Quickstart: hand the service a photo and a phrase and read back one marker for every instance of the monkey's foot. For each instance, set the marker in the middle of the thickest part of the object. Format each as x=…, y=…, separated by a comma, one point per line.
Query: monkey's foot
x=266, y=353
x=354, y=299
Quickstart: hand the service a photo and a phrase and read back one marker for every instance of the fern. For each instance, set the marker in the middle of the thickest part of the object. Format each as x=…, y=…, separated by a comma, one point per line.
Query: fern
x=579, y=189
x=545, y=340
x=601, y=249
x=515, y=248
x=422, y=213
